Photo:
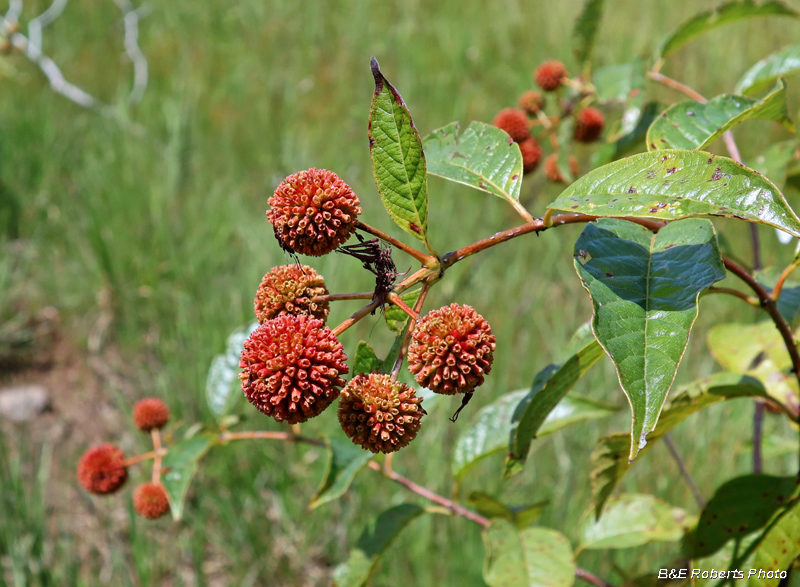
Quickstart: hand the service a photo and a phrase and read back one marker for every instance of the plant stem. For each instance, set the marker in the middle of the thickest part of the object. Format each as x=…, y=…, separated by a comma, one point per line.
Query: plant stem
x=676, y=85
x=264, y=435
x=427, y=260
x=733, y=292
x=144, y=457
x=156, y=436
x=521, y=210
x=758, y=423
x=403, y=349
x=698, y=497
x=591, y=578
x=536, y=225
x=776, y=291
x=395, y=299
x=356, y=317
x=360, y=295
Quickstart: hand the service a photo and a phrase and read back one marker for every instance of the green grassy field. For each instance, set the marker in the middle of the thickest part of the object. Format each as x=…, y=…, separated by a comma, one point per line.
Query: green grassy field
x=151, y=246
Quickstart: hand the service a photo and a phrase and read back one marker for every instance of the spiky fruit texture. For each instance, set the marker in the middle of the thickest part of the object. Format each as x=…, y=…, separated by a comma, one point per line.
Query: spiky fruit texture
x=550, y=75
x=101, y=469
x=292, y=367
x=288, y=289
x=451, y=350
x=514, y=122
x=531, y=102
x=313, y=212
x=379, y=414
x=150, y=413
x=589, y=125
x=150, y=500
x=551, y=169
x=531, y=154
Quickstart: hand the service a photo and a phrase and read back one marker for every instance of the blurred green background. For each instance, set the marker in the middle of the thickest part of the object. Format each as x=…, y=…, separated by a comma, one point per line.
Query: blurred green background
x=150, y=243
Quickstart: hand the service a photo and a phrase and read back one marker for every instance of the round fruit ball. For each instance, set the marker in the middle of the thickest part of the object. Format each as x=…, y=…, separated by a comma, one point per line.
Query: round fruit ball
x=102, y=469
x=531, y=102
x=514, y=122
x=313, y=212
x=150, y=500
x=550, y=75
x=150, y=413
x=589, y=125
x=531, y=154
x=379, y=414
x=289, y=290
x=291, y=368
x=451, y=350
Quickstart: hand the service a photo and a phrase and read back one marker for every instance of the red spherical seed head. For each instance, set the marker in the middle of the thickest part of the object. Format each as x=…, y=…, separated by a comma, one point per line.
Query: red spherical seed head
x=589, y=125
x=531, y=154
x=451, y=350
x=101, y=469
x=313, y=212
x=551, y=169
x=288, y=289
x=514, y=122
x=531, y=102
x=150, y=500
x=292, y=367
x=150, y=413
x=550, y=75
x=379, y=414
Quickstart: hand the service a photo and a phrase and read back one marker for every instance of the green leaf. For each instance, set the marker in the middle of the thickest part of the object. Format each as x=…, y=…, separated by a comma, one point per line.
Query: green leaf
x=778, y=547
x=585, y=30
x=534, y=557
x=609, y=458
x=366, y=360
x=489, y=507
x=774, y=162
x=482, y=157
x=394, y=352
x=397, y=158
x=740, y=506
x=722, y=15
x=671, y=184
x=549, y=387
x=364, y=558
x=181, y=460
x=223, y=374
x=644, y=289
x=692, y=125
x=633, y=520
x=487, y=436
x=623, y=84
x=395, y=317
x=767, y=71
x=344, y=460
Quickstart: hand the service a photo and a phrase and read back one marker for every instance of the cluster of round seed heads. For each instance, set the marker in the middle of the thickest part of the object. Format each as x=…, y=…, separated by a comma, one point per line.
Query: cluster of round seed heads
x=514, y=122
x=290, y=289
x=451, y=350
x=553, y=172
x=531, y=154
x=531, y=102
x=550, y=75
x=313, y=212
x=292, y=367
x=150, y=500
x=379, y=414
x=150, y=413
x=102, y=470
x=589, y=125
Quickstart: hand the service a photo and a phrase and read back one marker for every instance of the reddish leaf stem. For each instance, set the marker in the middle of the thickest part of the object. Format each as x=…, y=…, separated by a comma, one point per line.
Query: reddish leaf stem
x=395, y=299
x=733, y=292
x=591, y=578
x=403, y=349
x=264, y=435
x=156, y=436
x=427, y=260
x=144, y=457
x=359, y=295
x=776, y=291
x=356, y=317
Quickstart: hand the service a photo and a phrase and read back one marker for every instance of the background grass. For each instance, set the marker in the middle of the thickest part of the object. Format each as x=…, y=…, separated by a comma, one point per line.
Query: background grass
x=151, y=246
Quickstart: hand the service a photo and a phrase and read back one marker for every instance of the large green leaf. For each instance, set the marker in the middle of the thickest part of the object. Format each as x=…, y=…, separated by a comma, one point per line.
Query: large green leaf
x=633, y=520
x=533, y=557
x=672, y=184
x=180, y=464
x=397, y=158
x=482, y=157
x=549, y=387
x=623, y=84
x=345, y=460
x=585, y=30
x=692, y=125
x=644, y=289
x=764, y=73
x=364, y=558
x=739, y=507
x=778, y=547
x=609, y=458
x=222, y=380
x=722, y=15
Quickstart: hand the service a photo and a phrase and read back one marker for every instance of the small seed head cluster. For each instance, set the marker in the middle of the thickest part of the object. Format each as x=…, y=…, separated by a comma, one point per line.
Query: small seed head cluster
x=150, y=500
x=290, y=290
x=150, y=413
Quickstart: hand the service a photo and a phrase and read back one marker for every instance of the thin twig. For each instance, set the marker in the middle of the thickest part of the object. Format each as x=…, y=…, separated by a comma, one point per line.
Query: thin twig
x=698, y=497
x=427, y=260
x=676, y=85
x=758, y=432
x=361, y=295
x=776, y=291
x=395, y=299
x=156, y=436
x=591, y=578
x=144, y=457
x=356, y=317
x=264, y=435
x=734, y=292
x=398, y=363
